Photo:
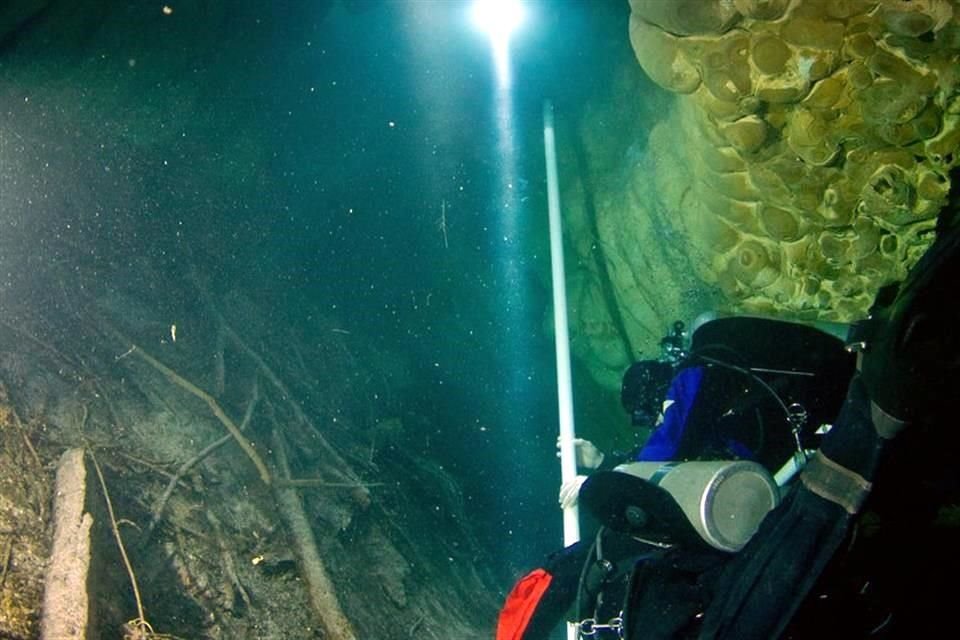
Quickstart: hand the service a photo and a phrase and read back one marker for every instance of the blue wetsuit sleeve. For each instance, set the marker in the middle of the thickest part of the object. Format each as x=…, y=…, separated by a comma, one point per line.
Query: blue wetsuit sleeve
x=664, y=442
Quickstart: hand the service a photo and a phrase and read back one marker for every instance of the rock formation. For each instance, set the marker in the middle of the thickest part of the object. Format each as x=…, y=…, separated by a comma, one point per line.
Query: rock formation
x=812, y=141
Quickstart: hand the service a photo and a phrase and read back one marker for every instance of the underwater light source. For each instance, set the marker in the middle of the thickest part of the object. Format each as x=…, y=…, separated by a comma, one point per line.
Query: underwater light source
x=498, y=18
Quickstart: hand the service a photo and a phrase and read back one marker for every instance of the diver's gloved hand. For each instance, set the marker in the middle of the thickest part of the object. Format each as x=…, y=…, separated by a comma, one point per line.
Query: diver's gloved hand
x=570, y=490
x=588, y=455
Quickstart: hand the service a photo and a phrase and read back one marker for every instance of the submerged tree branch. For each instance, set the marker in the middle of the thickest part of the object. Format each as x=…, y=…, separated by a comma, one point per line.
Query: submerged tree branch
x=339, y=466
x=194, y=461
x=323, y=597
x=320, y=482
x=218, y=411
x=140, y=623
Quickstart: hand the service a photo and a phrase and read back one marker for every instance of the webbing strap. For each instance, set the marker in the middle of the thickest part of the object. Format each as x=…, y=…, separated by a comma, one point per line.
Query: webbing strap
x=659, y=474
x=886, y=425
x=834, y=482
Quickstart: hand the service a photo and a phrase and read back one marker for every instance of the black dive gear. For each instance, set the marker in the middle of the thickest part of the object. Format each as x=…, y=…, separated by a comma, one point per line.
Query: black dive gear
x=909, y=357
x=673, y=345
x=645, y=381
x=642, y=390
x=910, y=345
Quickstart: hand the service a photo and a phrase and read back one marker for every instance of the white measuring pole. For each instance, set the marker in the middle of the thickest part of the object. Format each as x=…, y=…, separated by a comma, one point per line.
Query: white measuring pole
x=568, y=460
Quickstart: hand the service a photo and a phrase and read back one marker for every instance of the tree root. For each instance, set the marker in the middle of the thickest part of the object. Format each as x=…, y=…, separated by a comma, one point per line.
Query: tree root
x=39, y=499
x=220, y=366
x=339, y=465
x=157, y=512
x=49, y=348
x=231, y=585
x=301, y=483
x=319, y=587
x=8, y=553
x=211, y=402
x=138, y=627
x=153, y=466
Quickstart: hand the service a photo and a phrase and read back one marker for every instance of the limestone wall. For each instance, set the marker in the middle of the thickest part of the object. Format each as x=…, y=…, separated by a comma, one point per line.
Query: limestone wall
x=811, y=142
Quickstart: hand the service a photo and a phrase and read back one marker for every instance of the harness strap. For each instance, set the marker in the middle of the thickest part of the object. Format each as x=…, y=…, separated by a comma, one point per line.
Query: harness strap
x=886, y=425
x=659, y=474
x=834, y=482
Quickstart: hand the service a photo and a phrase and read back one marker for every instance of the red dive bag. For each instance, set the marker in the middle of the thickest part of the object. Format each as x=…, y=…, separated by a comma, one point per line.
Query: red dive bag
x=520, y=605
x=538, y=601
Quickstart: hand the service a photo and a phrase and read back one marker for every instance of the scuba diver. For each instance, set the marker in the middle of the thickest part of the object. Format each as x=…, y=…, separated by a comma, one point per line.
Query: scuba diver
x=707, y=402
x=870, y=412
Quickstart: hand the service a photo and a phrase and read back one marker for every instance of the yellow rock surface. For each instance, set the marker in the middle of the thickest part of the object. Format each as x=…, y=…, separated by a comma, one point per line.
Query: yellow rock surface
x=822, y=135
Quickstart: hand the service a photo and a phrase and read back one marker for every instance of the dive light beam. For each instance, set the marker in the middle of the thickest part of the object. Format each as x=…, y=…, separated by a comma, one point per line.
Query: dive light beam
x=499, y=19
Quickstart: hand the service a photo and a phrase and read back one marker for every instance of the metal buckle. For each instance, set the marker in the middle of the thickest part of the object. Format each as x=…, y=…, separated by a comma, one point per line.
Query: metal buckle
x=860, y=335
x=589, y=628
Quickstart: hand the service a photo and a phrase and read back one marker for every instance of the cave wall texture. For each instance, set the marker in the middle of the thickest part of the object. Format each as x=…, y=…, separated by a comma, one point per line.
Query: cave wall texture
x=801, y=153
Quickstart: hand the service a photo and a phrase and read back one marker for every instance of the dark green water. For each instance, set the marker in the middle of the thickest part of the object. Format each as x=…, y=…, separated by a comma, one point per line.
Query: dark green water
x=343, y=158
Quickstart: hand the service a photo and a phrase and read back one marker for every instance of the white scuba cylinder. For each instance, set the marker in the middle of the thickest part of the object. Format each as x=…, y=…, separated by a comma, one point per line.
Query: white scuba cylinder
x=724, y=500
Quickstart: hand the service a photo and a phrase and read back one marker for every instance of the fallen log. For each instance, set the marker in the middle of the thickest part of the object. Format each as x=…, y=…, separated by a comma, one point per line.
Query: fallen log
x=323, y=596
x=65, y=600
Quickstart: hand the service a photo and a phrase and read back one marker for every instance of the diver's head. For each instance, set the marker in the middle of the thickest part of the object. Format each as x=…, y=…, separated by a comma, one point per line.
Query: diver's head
x=644, y=386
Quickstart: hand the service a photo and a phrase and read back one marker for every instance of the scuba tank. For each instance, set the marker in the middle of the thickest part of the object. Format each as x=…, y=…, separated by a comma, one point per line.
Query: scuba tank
x=724, y=500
